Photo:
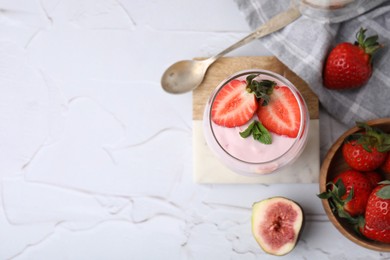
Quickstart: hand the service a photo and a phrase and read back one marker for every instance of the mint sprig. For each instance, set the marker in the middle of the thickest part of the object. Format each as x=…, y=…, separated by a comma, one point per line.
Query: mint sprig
x=258, y=131
x=262, y=89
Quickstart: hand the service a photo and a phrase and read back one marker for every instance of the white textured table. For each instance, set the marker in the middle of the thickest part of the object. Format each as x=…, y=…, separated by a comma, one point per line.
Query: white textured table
x=96, y=160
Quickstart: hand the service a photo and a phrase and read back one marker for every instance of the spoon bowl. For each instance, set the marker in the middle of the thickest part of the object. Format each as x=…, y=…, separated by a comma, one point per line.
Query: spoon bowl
x=186, y=75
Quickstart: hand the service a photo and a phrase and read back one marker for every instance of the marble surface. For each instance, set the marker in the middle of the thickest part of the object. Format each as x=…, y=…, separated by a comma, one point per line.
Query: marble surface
x=96, y=160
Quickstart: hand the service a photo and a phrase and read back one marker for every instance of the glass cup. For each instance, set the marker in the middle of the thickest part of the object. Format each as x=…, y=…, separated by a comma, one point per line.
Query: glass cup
x=247, y=156
x=332, y=11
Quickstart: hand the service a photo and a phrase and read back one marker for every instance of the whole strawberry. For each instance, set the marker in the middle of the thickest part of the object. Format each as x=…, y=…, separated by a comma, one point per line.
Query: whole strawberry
x=385, y=167
x=377, y=215
x=349, y=65
x=367, y=150
x=348, y=194
x=374, y=177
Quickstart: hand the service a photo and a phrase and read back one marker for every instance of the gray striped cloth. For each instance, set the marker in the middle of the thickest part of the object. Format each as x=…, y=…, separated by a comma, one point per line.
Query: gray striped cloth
x=304, y=44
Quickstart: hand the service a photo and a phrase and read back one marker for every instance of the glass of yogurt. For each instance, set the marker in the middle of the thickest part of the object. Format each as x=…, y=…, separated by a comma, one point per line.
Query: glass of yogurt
x=256, y=133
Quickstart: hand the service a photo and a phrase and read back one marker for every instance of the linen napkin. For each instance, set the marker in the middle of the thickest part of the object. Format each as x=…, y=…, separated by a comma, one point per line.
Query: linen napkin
x=303, y=45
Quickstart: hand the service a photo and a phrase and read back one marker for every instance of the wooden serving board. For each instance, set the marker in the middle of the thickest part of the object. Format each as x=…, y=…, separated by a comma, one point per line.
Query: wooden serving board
x=208, y=169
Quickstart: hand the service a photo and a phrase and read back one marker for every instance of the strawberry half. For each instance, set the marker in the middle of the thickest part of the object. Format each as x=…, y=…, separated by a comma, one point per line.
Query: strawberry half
x=233, y=105
x=282, y=114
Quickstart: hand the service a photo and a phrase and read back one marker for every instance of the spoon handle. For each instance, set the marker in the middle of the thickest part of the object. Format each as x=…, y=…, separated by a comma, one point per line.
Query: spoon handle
x=274, y=24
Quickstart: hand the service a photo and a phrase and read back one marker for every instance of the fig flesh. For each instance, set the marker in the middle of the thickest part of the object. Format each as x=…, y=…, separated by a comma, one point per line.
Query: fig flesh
x=276, y=224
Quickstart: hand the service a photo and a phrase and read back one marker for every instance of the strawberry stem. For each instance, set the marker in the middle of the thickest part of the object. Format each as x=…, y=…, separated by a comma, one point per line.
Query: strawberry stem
x=384, y=192
x=333, y=195
x=370, y=45
x=370, y=138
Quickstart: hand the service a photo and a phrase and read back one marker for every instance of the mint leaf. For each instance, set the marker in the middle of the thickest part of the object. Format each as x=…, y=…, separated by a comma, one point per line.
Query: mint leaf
x=247, y=132
x=262, y=89
x=264, y=136
x=258, y=131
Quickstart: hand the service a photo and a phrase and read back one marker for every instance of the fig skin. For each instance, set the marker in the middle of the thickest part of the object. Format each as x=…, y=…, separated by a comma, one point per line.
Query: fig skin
x=277, y=220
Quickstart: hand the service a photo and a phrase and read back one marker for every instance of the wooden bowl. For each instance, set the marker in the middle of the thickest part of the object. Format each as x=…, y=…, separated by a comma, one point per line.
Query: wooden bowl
x=334, y=164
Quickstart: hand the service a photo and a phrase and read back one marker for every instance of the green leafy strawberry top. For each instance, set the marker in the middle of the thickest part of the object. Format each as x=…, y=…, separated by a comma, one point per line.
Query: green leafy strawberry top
x=371, y=137
x=369, y=44
x=384, y=192
x=335, y=193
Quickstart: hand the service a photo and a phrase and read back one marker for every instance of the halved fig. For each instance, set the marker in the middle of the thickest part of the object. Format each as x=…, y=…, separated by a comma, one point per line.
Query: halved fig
x=276, y=224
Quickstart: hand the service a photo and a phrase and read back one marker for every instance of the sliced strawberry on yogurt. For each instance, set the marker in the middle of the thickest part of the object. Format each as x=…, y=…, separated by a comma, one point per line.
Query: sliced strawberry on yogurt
x=282, y=115
x=233, y=105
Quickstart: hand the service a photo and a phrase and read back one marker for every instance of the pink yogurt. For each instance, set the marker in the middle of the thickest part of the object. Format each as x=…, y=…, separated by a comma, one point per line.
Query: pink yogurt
x=248, y=149
x=246, y=155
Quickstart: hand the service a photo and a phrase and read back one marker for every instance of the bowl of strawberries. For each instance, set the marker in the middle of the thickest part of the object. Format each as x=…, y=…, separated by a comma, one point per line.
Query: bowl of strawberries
x=355, y=184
